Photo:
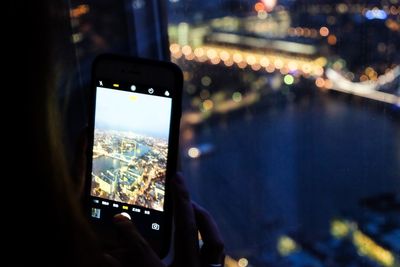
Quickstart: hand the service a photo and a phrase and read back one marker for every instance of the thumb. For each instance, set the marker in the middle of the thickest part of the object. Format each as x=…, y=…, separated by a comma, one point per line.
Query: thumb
x=133, y=248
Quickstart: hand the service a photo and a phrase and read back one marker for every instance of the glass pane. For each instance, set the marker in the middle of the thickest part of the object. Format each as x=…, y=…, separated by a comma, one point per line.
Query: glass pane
x=101, y=27
x=290, y=132
x=130, y=27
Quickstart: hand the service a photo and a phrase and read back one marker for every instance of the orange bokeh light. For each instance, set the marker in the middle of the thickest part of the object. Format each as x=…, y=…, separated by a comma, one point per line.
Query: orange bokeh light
x=259, y=7
x=320, y=82
x=324, y=31
x=332, y=40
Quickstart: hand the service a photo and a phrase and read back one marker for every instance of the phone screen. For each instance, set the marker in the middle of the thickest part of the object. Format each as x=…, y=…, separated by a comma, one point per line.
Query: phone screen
x=130, y=153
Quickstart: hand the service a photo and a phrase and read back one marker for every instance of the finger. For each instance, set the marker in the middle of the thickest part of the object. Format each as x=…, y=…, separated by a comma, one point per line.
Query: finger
x=133, y=250
x=111, y=261
x=212, y=251
x=186, y=242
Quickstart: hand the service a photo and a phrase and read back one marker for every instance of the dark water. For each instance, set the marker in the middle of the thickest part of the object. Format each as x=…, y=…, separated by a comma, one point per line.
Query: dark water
x=142, y=150
x=102, y=163
x=292, y=168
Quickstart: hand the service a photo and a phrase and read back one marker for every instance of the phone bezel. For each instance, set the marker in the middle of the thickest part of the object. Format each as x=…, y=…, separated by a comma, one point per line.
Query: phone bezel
x=132, y=69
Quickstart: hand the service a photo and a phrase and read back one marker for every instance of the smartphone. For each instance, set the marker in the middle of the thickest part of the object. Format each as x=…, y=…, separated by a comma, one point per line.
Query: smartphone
x=133, y=144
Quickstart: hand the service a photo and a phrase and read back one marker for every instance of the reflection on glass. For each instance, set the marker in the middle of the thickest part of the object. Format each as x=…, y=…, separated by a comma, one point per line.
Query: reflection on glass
x=290, y=132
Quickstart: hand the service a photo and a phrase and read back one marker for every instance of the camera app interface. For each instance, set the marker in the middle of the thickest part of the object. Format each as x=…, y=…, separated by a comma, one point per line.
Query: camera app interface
x=130, y=147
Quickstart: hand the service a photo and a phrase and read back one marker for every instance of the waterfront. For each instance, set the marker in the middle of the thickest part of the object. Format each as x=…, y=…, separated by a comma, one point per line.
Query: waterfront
x=129, y=168
x=290, y=122
x=292, y=168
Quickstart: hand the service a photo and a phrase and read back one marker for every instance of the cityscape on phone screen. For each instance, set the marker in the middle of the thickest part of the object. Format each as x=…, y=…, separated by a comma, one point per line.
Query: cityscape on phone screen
x=130, y=146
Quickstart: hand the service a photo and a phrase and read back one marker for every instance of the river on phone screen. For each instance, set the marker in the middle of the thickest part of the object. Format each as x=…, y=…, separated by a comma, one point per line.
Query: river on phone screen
x=104, y=163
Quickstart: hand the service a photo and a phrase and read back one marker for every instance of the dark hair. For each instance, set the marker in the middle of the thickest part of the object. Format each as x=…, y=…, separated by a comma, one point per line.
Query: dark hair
x=58, y=233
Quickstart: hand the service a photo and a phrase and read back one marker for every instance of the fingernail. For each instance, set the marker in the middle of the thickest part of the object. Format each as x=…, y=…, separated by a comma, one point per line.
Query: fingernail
x=122, y=217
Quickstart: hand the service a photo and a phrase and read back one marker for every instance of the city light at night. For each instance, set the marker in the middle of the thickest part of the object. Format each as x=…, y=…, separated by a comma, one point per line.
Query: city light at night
x=289, y=132
x=281, y=51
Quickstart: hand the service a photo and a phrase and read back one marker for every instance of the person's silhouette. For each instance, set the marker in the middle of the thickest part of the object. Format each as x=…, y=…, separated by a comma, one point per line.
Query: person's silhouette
x=57, y=233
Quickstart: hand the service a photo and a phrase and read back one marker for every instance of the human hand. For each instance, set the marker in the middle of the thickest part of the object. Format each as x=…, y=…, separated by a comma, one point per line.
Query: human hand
x=133, y=249
x=189, y=219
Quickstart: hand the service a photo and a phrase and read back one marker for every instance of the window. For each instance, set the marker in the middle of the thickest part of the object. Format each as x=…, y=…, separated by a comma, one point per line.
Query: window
x=290, y=132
